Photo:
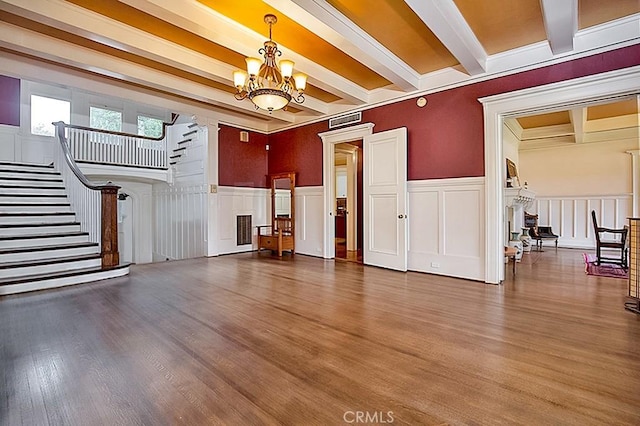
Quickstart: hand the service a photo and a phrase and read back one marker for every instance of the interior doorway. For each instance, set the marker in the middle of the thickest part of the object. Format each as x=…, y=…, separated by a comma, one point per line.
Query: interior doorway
x=348, y=200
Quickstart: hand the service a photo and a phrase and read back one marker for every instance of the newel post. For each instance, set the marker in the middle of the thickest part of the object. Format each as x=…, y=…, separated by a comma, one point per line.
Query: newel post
x=109, y=233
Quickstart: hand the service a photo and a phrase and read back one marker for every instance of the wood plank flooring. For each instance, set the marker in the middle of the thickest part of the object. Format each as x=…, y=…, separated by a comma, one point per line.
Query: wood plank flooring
x=249, y=340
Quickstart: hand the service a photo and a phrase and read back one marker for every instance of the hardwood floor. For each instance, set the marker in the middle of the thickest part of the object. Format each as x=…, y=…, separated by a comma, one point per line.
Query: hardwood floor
x=250, y=340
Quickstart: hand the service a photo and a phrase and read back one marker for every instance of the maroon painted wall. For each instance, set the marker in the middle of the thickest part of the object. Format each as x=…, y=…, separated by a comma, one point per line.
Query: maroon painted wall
x=241, y=163
x=298, y=150
x=445, y=138
x=9, y=101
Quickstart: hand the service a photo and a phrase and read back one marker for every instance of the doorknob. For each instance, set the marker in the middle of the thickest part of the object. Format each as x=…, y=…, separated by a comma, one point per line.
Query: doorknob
x=402, y=216
x=399, y=216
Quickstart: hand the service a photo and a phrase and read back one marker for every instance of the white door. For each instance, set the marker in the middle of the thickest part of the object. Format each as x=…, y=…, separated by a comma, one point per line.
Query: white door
x=385, y=199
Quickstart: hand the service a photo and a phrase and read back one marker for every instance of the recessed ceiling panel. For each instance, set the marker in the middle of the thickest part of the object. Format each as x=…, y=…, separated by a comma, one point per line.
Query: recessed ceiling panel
x=615, y=109
x=594, y=12
x=544, y=120
x=394, y=25
x=287, y=32
x=107, y=50
x=135, y=18
x=502, y=25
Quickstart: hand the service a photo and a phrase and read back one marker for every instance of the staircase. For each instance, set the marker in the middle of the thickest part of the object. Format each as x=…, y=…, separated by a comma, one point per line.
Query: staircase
x=41, y=244
x=181, y=149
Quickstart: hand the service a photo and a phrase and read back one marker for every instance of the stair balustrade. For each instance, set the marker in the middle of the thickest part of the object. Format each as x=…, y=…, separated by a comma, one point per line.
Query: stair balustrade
x=98, y=146
x=95, y=205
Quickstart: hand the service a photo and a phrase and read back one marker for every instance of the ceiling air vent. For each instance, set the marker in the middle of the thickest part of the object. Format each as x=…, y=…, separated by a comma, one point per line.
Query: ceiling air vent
x=355, y=117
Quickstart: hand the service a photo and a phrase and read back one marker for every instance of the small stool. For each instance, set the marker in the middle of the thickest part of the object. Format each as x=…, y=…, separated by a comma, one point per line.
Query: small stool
x=510, y=253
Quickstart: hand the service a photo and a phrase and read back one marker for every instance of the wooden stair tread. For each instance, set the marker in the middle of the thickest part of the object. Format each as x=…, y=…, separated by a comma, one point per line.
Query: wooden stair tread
x=20, y=214
x=34, y=236
x=36, y=225
x=9, y=163
x=46, y=248
x=39, y=262
x=55, y=275
x=35, y=179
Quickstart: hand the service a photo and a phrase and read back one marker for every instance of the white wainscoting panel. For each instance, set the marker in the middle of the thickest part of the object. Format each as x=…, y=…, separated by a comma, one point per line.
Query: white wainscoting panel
x=309, y=220
x=234, y=201
x=570, y=217
x=9, y=143
x=446, y=227
x=180, y=221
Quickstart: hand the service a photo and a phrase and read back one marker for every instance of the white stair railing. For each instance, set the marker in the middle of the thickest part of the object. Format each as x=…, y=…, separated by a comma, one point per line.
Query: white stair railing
x=95, y=206
x=89, y=145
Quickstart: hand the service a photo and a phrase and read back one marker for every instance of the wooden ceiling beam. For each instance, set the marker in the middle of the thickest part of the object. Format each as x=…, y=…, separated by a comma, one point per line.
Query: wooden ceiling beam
x=561, y=23
x=199, y=19
x=327, y=22
x=35, y=44
x=445, y=20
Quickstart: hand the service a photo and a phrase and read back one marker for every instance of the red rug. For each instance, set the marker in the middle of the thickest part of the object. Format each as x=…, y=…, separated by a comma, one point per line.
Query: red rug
x=604, y=270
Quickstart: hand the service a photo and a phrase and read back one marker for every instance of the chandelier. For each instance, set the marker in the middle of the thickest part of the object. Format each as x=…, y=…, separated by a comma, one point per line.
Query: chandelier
x=267, y=86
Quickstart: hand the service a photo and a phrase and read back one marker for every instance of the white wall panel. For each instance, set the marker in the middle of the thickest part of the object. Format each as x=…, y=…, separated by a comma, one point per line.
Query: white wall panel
x=570, y=217
x=446, y=232
x=180, y=228
x=9, y=143
x=424, y=235
x=234, y=201
x=309, y=220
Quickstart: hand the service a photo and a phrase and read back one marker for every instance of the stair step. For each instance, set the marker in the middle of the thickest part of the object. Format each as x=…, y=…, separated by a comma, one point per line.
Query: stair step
x=176, y=156
x=192, y=132
x=172, y=163
x=180, y=149
x=34, y=207
x=6, y=173
x=36, y=240
x=36, y=218
x=39, y=228
x=185, y=141
x=5, y=165
x=46, y=266
x=29, y=182
x=35, y=178
x=31, y=190
x=192, y=125
x=31, y=198
x=53, y=280
x=21, y=254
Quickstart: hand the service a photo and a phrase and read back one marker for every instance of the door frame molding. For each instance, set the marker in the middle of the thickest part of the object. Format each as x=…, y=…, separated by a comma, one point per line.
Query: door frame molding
x=547, y=98
x=329, y=140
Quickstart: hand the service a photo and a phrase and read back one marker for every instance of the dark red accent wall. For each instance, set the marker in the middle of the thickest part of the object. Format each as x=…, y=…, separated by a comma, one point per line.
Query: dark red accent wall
x=298, y=150
x=241, y=163
x=445, y=138
x=9, y=101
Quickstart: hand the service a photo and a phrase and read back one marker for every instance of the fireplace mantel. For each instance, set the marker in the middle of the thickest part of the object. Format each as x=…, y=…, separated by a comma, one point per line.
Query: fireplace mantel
x=513, y=196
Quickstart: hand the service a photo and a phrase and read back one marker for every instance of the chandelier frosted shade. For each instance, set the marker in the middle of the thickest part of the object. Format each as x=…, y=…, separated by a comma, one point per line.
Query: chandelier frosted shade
x=268, y=86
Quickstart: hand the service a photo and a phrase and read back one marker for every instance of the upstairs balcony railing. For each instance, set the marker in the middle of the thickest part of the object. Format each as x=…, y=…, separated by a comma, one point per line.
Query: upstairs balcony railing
x=88, y=145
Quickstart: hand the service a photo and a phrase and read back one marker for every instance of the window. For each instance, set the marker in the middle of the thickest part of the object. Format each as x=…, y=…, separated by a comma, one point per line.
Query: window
x=149, y=126
x=45, y=111
x=105, y=119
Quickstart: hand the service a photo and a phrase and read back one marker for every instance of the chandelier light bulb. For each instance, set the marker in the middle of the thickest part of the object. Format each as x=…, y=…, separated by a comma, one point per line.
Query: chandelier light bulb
x=253, y=66
x=301, y=81
x=239, y=78
x=286, y=68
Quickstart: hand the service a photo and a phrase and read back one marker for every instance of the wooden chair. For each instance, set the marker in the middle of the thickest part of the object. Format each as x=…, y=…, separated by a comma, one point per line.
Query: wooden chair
x=539, y=233
x=617, y=241
x=280, y=235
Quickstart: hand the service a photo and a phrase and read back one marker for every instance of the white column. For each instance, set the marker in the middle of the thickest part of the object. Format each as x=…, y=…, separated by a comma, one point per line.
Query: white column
x=635, y=181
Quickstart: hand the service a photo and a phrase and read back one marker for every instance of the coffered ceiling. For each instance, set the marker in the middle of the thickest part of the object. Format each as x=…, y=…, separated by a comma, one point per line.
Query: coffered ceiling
x=611, y=121
x=355, y=52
